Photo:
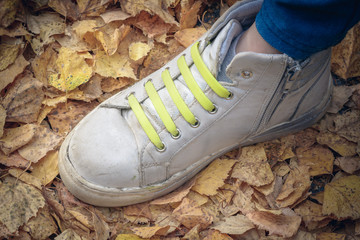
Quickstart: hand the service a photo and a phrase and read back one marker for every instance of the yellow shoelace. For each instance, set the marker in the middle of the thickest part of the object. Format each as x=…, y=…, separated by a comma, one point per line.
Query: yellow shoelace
x=175, y=96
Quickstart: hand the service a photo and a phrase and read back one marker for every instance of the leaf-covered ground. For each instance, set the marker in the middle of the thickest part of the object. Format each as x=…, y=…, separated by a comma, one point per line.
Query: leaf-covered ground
x=60, y=58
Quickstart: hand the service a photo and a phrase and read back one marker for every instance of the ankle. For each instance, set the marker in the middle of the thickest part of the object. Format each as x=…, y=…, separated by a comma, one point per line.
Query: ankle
x=252, y=41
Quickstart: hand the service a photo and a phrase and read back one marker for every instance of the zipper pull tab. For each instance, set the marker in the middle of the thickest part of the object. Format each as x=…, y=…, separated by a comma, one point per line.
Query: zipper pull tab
x=292, y=75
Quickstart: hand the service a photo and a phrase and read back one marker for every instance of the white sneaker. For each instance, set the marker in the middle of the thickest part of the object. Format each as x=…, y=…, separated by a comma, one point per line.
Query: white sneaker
x=154, y=136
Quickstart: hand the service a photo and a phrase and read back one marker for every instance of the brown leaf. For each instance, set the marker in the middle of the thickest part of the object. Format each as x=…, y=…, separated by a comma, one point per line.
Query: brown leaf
x=188, y=36
x=44, y=141
x=19, y=202
x=8, y=54
x=348, y=164
x=92, y=89
x=14, y=138
x=216, y=235
x=344, y=59
x=8, y=75
x=295, y=187
x=114, y=15
x=306, y=138
x=342, y=198
x=190, y=215
x=243, y=198
x=68, y=234
x=341, y=95
x=189, y=15
x=111, y=84
x=92, y=7
x=281, y=169
x=67, y=8
x=285, y=226
x=340, y=145
x=151, y=25
x=175, y=196
x=101, y=228
x=238, y=225
x=41, y=226
x=253, y=167
x=319, y=159
x=14, y=160
x=193, y=234
x=2, y=120
x=23, y=100
x=330, y=236
x=8, y=10
x=44, y=64
x=311, y=214
x=148, y=232
x=64, y=118
x=213, y=177
x=138, y=210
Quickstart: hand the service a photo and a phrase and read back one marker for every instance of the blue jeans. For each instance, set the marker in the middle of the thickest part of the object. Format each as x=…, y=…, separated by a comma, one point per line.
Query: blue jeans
x=300, y=28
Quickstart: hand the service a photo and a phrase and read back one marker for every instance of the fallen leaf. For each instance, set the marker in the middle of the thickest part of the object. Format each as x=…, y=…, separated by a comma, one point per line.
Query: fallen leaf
x=111, y=84
x=114, y=15
x=189, y=15
x=154, y=7
x=43, y=64
x=253, y=167
x=14, y=160
x=66, y=115
x=73, y=70
x=243, y=198
x=114, y=66
x=138, y=210
x=83, y=216
x=15, y=30
x=110, y=36
x=348, y=164
x=67, y=8
x=237, y=225
x=193, y=234
x=151, y=25
x=188, y=36
x=311, y=214
x=148, y=232
x=281, y=169
x=301, y=235
x=138, y=50
x=19, y=202
x=330, y=236
x=25, y=177
x=162, y=216
x=357, y=227
x=341, y=95
x=340, y=145
x=23, y=100
x=175, y=196
x=8, y=75
x=285, y=226
x=190, y=214
x=41, y=226
x=128, y=237
x=68, y=234
x=197, y=198
x=2, y=120
x=216, y=235
x=14, y=138
x=8, y=9
x=8, y=54
x=295, y=187
x=342, y=198
x=344, y=60
x=46, y=169
x=92, y=89
x=92, y=7
x=213, y=177
x=319, y=159
x=306, y=137
x=44, y=141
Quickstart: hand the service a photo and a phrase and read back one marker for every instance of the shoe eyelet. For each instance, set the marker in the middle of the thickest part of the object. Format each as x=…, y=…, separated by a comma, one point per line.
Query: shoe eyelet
x=196, y=124
x=246, y=74
x=161, y=149
x=149, y=80
x=214, y=110
x=231, y=95
x=128, y=95
x=177, y=136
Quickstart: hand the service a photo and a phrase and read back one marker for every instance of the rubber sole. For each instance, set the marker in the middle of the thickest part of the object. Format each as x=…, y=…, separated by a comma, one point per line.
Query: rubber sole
x=116, y=197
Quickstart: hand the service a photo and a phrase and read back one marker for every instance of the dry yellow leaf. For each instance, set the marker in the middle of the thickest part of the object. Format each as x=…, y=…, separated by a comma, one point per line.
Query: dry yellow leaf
x=18, y=203
x=138, y=50
x=197, y=198
x=52, y=102
x=148, y=232
x=44, y=141
x=295, y=187
x=253, y=167
x=110, y=84
x=14, y=138
x=8, y=9
x=330, y=236
x=283, y=225
x=213, y=177
x=68, y=234
x=25, y=177
x=342, y=198
x=73, y=70
x=175, y=196
x=110, y=36
x=348, y=164
x=340, y=145
x=243, y=198
x=193, y=234
x=44, y=64
x=46, y=169
x=45, y=110
x=84, y=26
x=311, y=214
x=319, y=159
x=188, y=36
x=2, y=120
x=281, y=169
x=114, y=66
x=128, y=237
x=41, y=226
x=85, y=219
x=237, y=224
x=216, y=235
x=114, y=15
